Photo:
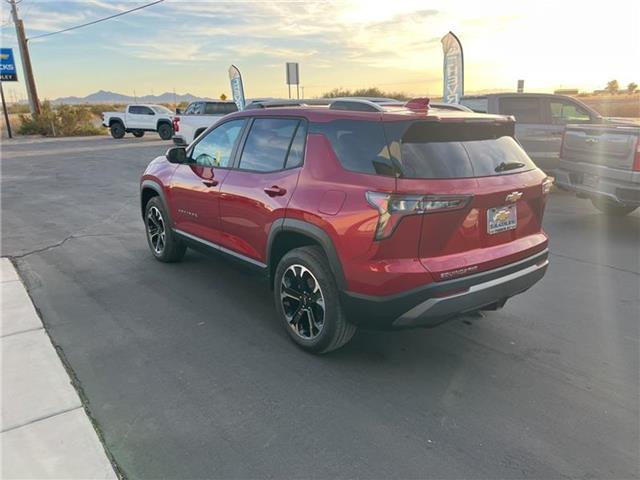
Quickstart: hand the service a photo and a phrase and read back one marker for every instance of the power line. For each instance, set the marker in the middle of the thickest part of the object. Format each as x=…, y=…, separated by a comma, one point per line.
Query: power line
x=96, y=21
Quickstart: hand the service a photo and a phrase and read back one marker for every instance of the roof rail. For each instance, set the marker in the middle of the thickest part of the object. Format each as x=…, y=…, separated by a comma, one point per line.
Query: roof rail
x=355, y=104
x=274, y=104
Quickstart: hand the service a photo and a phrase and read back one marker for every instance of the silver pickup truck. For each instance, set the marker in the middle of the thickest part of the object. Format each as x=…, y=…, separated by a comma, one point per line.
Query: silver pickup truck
x=602, y=163
x=540, y=120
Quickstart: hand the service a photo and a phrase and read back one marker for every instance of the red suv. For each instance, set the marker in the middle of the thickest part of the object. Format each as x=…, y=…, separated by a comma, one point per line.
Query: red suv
x=361, y=213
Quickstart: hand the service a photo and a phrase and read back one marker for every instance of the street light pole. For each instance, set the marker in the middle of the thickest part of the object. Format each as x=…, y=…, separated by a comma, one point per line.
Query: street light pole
x=32, y=94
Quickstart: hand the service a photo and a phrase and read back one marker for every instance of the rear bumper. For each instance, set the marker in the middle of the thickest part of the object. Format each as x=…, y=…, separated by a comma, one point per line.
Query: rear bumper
x=435, y=303
x=622, y=186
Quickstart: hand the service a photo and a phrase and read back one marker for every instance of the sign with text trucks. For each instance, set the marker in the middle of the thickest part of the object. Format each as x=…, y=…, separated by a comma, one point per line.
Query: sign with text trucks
x=8, y=72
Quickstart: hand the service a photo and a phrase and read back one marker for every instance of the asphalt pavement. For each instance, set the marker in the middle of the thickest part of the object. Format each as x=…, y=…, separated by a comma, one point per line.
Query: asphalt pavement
x=187, y=372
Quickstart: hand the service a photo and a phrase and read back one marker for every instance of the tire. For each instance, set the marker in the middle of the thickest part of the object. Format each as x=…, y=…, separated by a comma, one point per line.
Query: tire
x=165, y=245
x=138, y=133
x=117, y=130
x=165, y=131
x=305, y=271
x=611, y=207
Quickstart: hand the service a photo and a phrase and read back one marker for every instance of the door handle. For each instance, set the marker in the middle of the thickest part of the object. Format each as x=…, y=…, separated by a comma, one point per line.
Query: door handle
x=210, y=183
x=275, y=191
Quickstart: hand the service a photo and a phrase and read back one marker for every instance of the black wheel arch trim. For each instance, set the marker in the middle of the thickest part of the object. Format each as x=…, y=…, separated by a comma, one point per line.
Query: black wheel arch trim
x=315, y=233
x=155, y=186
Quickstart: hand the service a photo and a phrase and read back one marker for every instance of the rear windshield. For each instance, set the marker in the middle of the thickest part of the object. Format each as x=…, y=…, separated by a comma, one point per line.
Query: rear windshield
x=429, y=150
x=439, y=150
x=211, y=108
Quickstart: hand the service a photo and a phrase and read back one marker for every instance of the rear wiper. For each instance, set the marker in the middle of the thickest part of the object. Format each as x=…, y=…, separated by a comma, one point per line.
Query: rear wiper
x=503, y=166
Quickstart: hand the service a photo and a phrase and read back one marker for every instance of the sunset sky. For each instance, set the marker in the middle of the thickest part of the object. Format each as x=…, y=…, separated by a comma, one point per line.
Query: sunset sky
x=394, y=45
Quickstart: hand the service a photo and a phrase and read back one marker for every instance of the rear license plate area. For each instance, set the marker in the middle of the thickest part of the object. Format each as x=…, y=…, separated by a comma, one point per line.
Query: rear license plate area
x=501, y=219
x=590, y=180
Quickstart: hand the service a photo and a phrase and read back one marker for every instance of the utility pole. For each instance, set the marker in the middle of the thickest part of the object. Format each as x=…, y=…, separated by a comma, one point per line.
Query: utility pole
x=34, y=103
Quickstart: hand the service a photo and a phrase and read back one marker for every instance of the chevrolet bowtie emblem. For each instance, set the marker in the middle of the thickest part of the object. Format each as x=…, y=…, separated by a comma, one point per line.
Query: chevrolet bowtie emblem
x=514, y=197
x=501, y=216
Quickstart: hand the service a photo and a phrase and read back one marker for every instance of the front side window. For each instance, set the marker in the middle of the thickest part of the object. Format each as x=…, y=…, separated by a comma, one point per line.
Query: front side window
x=525, y=109
x=563, y=112
x=216, y=148
x=268, y=144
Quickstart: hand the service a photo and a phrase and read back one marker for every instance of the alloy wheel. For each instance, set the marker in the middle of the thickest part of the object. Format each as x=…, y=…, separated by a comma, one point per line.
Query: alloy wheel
x=156, y=230
x=302, y=301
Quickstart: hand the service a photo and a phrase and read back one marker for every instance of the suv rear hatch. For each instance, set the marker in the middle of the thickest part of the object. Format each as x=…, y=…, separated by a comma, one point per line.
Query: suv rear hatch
x=482, y=197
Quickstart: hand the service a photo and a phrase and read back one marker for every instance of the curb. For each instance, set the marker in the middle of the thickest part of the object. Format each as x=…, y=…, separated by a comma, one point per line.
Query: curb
x=45, y=431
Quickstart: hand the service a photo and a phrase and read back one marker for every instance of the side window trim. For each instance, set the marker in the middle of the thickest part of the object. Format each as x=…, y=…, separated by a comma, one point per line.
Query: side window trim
x=245, y=135
x=302, y=124
x=236, y=147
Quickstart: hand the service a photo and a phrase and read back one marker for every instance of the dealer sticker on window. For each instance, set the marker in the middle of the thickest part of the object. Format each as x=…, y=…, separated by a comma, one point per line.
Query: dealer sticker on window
x=501, y=219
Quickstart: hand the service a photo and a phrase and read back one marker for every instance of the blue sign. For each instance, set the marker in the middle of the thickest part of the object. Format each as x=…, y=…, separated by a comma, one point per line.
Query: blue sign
x=237, y=90
x=8, y=72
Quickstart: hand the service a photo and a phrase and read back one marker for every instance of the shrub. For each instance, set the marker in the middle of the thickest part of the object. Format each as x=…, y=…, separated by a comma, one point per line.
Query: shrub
x=364, y=92
x=65, y=120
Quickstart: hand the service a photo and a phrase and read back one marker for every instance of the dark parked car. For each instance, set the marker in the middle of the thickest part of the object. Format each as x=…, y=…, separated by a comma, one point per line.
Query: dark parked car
x=540, y=120
x=360, y=214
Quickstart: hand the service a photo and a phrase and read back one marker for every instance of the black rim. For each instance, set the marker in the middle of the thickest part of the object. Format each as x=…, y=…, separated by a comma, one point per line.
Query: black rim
x=302, y=302
x=156, y=230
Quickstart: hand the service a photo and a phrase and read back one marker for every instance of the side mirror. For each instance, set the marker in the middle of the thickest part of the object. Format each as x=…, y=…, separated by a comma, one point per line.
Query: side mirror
x=178, y=111
x=177, y=155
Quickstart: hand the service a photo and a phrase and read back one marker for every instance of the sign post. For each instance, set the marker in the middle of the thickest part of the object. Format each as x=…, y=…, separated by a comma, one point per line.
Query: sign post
x=520, y=86
x=293, y=77
x=8, y=73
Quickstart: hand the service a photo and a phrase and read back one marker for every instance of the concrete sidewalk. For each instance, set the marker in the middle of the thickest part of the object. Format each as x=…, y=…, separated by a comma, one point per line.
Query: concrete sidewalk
x=45, y=432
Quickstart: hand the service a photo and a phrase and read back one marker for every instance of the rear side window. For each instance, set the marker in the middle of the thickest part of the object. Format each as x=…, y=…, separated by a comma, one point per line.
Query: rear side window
x=435, y=151
x=267, y=144
x=564, y=111
x=359, y=145
x=228, y=108
x=525, y=109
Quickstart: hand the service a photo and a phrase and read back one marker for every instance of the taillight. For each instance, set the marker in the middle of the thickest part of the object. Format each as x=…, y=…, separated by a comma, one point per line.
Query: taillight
x=392, y=208
x=546, y=185
x=636, y=160
x=176, y=124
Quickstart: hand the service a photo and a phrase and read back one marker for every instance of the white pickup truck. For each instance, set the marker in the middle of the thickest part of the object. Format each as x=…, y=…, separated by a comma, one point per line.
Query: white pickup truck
x=197, y=117
x=137, y=119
